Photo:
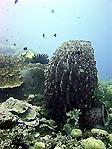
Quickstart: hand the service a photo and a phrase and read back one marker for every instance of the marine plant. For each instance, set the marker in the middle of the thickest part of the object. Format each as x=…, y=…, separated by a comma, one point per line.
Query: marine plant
x=104, y=92
x=70, y=79
x=72, y=120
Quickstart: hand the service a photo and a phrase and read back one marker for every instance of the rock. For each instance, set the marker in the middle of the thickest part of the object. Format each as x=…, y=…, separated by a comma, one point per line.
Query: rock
x=92, y=143
x=76, y=133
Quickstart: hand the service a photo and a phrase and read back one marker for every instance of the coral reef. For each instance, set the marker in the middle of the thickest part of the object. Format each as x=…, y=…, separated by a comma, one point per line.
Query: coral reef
x=18, y=78
x=22, y=125
x=15, y=111
x=28, y=128
x=31, y=57
x=10, y=76
x=71, y=94
x=10, y=68
x=70, y=78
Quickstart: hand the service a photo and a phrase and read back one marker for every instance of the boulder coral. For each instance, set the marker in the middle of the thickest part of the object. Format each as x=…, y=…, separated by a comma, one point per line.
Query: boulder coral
x=92, y=143
x=70, y=78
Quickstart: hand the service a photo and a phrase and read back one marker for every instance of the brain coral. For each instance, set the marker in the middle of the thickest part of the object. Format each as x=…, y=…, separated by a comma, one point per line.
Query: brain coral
x=70, y=78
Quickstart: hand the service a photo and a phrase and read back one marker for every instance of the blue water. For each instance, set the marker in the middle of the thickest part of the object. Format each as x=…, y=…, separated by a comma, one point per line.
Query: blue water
x=25, y=22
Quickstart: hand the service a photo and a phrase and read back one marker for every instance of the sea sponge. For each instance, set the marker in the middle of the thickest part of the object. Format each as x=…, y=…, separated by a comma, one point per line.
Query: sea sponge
x=70, y=78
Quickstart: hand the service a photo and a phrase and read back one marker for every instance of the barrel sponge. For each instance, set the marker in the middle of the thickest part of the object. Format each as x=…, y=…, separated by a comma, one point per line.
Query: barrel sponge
x=70, y=78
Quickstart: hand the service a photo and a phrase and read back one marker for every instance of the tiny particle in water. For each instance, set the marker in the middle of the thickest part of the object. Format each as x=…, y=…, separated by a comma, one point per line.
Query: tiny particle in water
x=52, y=10
x=55, y=35
x=14, y=44
x=16, y=1
x=25, y=48
x=6, y=40
x=78, y=17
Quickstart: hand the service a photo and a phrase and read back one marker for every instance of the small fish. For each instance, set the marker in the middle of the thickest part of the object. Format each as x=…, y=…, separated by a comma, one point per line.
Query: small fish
x=44, y=36
x=55, y=35
x=16, y=1
x=14, y=44
x=52, y=10
x=25, y=48
x=107, y=124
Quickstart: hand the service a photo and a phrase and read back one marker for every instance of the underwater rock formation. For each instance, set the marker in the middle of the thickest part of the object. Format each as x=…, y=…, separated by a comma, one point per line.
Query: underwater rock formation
x=70, y=78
